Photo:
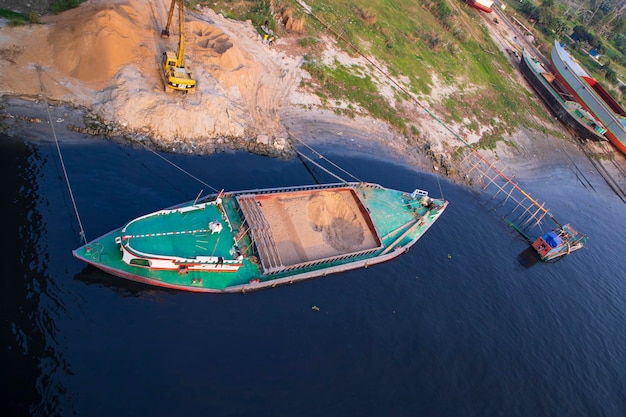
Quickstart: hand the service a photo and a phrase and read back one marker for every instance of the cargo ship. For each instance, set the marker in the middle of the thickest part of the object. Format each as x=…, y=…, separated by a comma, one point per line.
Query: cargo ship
x=248, y=240
x=569, y=111
x=591, y=95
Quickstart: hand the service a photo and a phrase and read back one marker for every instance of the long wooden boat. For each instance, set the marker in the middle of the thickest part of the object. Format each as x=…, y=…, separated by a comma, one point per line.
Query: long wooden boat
x=569, y=111
x=590, y=93
x=244, y=240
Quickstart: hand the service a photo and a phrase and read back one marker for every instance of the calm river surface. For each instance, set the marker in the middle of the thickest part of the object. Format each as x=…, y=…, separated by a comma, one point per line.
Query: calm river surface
x=456, y=327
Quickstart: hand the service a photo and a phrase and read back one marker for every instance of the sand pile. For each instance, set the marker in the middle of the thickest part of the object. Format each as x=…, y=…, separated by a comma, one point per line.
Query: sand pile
x=312, y=226
x=92, y=44
x=307, y=227
x=104, y=55
x=332, y=216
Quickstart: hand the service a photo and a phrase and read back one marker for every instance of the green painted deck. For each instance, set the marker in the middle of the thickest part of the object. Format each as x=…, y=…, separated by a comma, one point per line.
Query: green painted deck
x=185, y=234
x=388, y=211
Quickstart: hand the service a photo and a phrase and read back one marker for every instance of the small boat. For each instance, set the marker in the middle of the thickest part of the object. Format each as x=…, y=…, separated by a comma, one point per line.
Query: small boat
x=591, y=95
x=245, y=240
x=559, y=242
x=483, y=5
x=570, y=112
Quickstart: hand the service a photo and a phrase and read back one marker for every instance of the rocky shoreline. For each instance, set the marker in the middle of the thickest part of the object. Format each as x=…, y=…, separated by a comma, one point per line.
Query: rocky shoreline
x=19, y=115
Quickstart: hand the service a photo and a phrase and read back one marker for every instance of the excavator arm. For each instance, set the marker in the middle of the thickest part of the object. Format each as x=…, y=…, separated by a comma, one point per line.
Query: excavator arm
x=165, y=33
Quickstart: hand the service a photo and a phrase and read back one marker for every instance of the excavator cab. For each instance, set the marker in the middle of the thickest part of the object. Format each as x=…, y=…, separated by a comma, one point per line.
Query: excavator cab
x=176, y=78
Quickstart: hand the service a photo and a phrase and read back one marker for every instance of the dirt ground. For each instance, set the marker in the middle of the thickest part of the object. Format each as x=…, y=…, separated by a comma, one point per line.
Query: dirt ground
x=103, y=57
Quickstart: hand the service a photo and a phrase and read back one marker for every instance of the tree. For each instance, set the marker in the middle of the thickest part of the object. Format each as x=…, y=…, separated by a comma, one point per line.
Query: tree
x=609, y=73
x=612, y=19
x=560, y=26
x=528, y=8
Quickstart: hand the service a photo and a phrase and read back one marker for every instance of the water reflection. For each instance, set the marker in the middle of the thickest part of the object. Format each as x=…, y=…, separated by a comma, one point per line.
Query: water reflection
x=528, y=257
x=122, y=287
x=30, y=363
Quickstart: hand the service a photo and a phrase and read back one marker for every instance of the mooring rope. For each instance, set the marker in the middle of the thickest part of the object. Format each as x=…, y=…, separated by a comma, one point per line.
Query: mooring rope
x=324, y=158
x=382, y=201
x=176, y=166
x=322, y=168
x=307, y=9
x=385, y=74
x=56, y=141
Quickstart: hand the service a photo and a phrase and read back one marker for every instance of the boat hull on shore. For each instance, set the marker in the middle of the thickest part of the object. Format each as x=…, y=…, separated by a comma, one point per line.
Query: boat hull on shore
x=238, y=241
x=483, y=5
x=570, y=112
x=591, y=95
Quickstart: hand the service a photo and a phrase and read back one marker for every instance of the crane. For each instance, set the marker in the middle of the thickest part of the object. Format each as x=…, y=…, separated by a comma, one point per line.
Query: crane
x=176, y=76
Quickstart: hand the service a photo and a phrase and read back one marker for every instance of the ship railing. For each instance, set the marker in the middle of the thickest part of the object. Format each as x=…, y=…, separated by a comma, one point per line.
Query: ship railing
x=308, y=187
x=318, y=262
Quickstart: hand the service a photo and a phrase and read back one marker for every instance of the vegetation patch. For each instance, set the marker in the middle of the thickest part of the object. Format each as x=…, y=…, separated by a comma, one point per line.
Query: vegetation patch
x=59, y=6
x=13, y=18
x=349, y=84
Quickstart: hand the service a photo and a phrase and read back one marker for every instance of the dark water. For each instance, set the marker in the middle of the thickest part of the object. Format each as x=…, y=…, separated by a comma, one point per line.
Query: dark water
x=457, y=327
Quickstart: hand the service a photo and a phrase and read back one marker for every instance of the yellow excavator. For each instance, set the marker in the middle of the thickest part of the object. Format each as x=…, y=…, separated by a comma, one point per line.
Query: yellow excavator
x=176, y=76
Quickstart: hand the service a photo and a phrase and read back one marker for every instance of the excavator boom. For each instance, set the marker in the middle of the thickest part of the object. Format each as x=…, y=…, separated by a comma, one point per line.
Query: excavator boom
x=181, y=36
x=165, y=33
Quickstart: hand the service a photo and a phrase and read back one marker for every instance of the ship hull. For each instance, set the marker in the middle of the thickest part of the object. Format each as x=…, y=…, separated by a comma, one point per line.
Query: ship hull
x=483, y=5
x=567, y=111
x=586, y=92
x=247, y=240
